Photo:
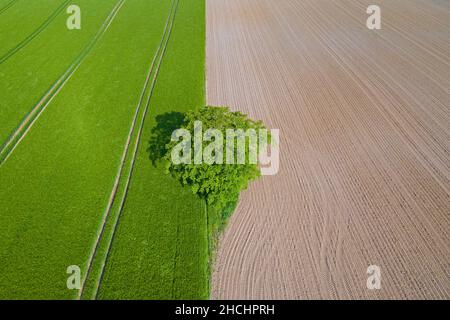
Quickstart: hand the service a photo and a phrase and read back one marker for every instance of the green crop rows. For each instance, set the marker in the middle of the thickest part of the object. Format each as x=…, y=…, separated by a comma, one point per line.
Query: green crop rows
x=77, y=186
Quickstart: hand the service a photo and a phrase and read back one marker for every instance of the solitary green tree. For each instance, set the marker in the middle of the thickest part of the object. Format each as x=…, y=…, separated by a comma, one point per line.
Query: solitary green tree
x=219, y=183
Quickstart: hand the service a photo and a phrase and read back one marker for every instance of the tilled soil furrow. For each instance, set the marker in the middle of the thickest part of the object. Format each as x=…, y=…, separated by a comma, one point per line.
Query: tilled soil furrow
x=364, y=174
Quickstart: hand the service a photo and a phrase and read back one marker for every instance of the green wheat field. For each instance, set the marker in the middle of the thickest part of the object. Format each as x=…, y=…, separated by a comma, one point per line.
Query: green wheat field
x=77, y=108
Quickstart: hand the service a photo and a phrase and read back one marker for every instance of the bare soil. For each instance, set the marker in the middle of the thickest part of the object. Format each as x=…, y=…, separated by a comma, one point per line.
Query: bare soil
x=365, y=147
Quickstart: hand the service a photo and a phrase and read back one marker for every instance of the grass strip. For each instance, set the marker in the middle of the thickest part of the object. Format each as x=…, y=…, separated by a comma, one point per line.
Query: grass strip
x=30, y=77
x=56, y=184
x=25, y=125
x=8, y=5
x=160, y=248
x=102, y=246
x=34, y=34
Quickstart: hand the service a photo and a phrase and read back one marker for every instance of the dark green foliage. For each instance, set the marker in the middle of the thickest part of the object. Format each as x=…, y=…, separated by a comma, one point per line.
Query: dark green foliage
x=218, y=184
x=160, y=134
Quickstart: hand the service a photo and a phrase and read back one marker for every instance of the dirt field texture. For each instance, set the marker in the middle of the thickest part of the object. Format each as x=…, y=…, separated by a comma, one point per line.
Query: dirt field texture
x=364, y=174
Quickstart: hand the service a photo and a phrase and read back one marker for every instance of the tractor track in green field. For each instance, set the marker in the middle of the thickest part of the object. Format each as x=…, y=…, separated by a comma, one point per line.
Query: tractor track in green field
x=34, y=34
x=8, y=5
x=147, y=90
x=28, y=121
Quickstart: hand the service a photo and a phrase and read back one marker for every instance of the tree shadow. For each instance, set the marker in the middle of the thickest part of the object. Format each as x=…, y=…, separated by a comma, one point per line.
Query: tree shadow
x=161, y=134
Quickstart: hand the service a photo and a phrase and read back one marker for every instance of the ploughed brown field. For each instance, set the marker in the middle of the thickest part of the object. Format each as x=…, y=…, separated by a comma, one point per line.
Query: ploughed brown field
x=365, y=147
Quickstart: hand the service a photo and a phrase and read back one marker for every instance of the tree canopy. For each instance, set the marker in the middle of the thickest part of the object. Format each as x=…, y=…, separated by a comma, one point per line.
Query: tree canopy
x=218, y=183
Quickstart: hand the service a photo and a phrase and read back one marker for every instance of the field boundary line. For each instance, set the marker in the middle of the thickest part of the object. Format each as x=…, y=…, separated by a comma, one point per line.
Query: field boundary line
x=209, y=235
x=136, y=147
x=16, y=137
x=34, y=34
x=112, y=198
x=8, y=5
